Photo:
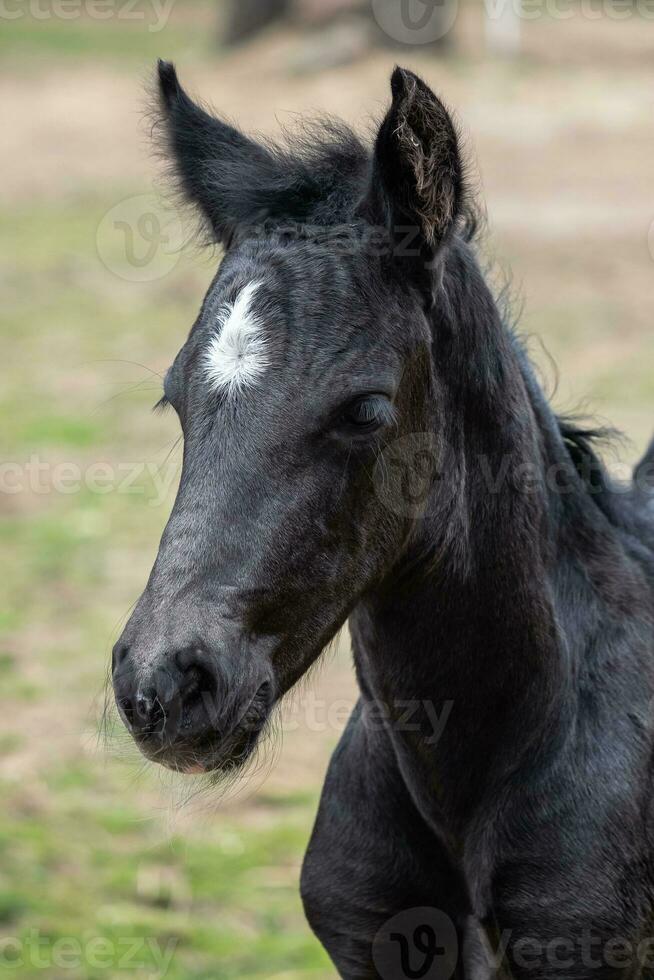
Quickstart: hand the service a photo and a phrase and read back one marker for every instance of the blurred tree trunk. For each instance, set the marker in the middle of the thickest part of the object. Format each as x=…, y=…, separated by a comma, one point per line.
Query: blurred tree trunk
x=244, y=18
x=403, y=24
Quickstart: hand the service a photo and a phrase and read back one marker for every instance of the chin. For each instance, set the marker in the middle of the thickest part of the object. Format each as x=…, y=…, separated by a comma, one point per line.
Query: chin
x=230, y=756
x=208, y=754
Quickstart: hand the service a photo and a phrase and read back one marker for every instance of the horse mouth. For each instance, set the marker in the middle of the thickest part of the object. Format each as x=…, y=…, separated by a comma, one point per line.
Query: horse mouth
x=215, y=752
x=229, y=755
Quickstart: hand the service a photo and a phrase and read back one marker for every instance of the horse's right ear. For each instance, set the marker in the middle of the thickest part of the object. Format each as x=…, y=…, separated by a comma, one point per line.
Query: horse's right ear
x=219, y=169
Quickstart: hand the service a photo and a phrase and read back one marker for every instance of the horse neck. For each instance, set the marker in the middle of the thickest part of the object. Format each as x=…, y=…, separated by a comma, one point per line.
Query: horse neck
x=465, y=628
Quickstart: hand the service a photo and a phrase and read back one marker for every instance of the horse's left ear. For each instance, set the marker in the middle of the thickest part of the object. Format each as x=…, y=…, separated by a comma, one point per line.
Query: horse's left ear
x=417, y=182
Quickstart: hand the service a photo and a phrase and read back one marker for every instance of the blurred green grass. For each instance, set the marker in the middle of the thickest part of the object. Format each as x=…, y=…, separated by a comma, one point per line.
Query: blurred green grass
x=115, y=879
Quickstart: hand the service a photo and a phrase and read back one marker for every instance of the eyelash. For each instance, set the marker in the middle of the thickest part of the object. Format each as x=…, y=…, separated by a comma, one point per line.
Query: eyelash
x=380, y=409
x=161, y=405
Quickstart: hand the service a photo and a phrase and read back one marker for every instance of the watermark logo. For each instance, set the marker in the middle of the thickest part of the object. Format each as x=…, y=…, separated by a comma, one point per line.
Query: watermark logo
x=405, y=473
x=421, y=466
x=417, y=944
x=139, y=239
x=415, y=21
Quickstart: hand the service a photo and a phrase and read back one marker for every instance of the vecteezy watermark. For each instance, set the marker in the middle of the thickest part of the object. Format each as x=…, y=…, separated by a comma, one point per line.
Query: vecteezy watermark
x=144, y=955
x=423, y=944
x=420, y=718
x=403, y=716
x=154, y=13
x=588, y=948
x=416, y=944
x=140, y=239
x=415, y=21
x=414, y=467
x=397, y=241
x=405, y=474
x=531, y=10
x=41, y=478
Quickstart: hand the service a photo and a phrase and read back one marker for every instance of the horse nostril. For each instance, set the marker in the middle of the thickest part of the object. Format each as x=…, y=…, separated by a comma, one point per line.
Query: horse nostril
x=145, y=703
x=143, y=714
x=118, y=656
x=199, y=675
x=180, y=699
x=149, y=710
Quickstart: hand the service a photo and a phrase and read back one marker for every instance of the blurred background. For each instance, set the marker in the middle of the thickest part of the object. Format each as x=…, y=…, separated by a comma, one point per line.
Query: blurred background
x=107, y=868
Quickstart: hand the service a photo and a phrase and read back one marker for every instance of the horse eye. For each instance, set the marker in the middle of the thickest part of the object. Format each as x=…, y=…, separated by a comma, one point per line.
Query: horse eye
x=368, y=413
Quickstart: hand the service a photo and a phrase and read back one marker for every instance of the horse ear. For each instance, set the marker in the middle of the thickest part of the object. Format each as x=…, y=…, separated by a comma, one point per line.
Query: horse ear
x=417, y=182
x=218, y=168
